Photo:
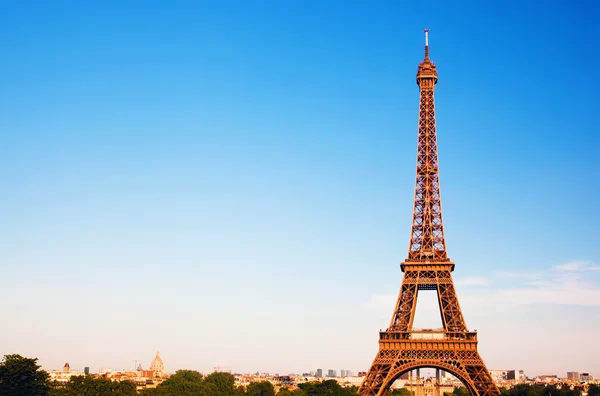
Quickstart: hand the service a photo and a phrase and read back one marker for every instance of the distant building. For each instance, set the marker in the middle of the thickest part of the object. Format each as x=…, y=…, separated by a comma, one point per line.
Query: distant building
x=547, y=377
x=331, y=373
x=586, y=377
x=504, y=375
x=427, y=387
x=573, y=375
x=499, y=375
x=282, y=380
x=86, y=370
x=63, y=375
x=319, y=373
x=350, y=381
x=157, y=366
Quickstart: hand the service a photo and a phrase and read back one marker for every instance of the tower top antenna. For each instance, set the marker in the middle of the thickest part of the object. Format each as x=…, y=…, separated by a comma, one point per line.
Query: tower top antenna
x=426, y=44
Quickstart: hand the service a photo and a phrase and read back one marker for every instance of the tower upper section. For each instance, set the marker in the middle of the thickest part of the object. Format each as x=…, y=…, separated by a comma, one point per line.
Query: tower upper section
x=427, y=242
x=426, y=74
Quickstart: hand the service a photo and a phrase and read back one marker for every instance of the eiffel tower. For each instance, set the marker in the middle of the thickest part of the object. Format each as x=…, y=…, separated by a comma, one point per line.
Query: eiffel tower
x=401, y=347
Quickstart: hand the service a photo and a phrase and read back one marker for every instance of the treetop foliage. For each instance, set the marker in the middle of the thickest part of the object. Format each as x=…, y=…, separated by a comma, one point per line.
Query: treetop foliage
x=20, y=376
x=90, y=386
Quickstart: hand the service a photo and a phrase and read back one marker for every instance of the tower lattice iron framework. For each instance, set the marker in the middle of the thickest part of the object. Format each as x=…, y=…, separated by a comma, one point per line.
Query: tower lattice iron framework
x=401, y=347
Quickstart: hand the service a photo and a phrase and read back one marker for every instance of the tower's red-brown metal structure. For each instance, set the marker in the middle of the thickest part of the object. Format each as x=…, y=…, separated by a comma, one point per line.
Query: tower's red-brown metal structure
x=401, y=347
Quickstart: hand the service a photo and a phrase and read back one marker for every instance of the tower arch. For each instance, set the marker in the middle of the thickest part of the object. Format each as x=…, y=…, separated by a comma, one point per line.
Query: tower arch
x=455, y=370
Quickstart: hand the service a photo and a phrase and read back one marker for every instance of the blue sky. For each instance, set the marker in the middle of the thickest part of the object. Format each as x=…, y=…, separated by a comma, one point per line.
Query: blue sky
x=231, y=182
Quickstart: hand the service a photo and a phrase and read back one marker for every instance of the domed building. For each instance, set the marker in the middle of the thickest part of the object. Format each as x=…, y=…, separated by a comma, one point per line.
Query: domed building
x=157, y=366
x=66, y=367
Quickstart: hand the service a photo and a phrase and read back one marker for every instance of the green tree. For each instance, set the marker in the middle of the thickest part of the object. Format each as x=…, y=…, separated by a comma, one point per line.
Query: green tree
x=21, y=376
x=328, y=387
x=459, y=391
x=287, y=392
x=221, y=384
x=264, y=388
x=90, y=386
x=594, y=390
x=564, y=391
x=354, y=390
x=191, y=383
x=182, y=383
x=400, y=392
x=524, y=390
x=538, y=390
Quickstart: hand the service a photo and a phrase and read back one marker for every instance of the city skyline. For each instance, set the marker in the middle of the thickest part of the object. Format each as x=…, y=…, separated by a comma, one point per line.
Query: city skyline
x=425, y=372
x=231, y=184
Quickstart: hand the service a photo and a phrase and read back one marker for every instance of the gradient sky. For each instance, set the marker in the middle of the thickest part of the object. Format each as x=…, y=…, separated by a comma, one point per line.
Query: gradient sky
x=231, y=182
